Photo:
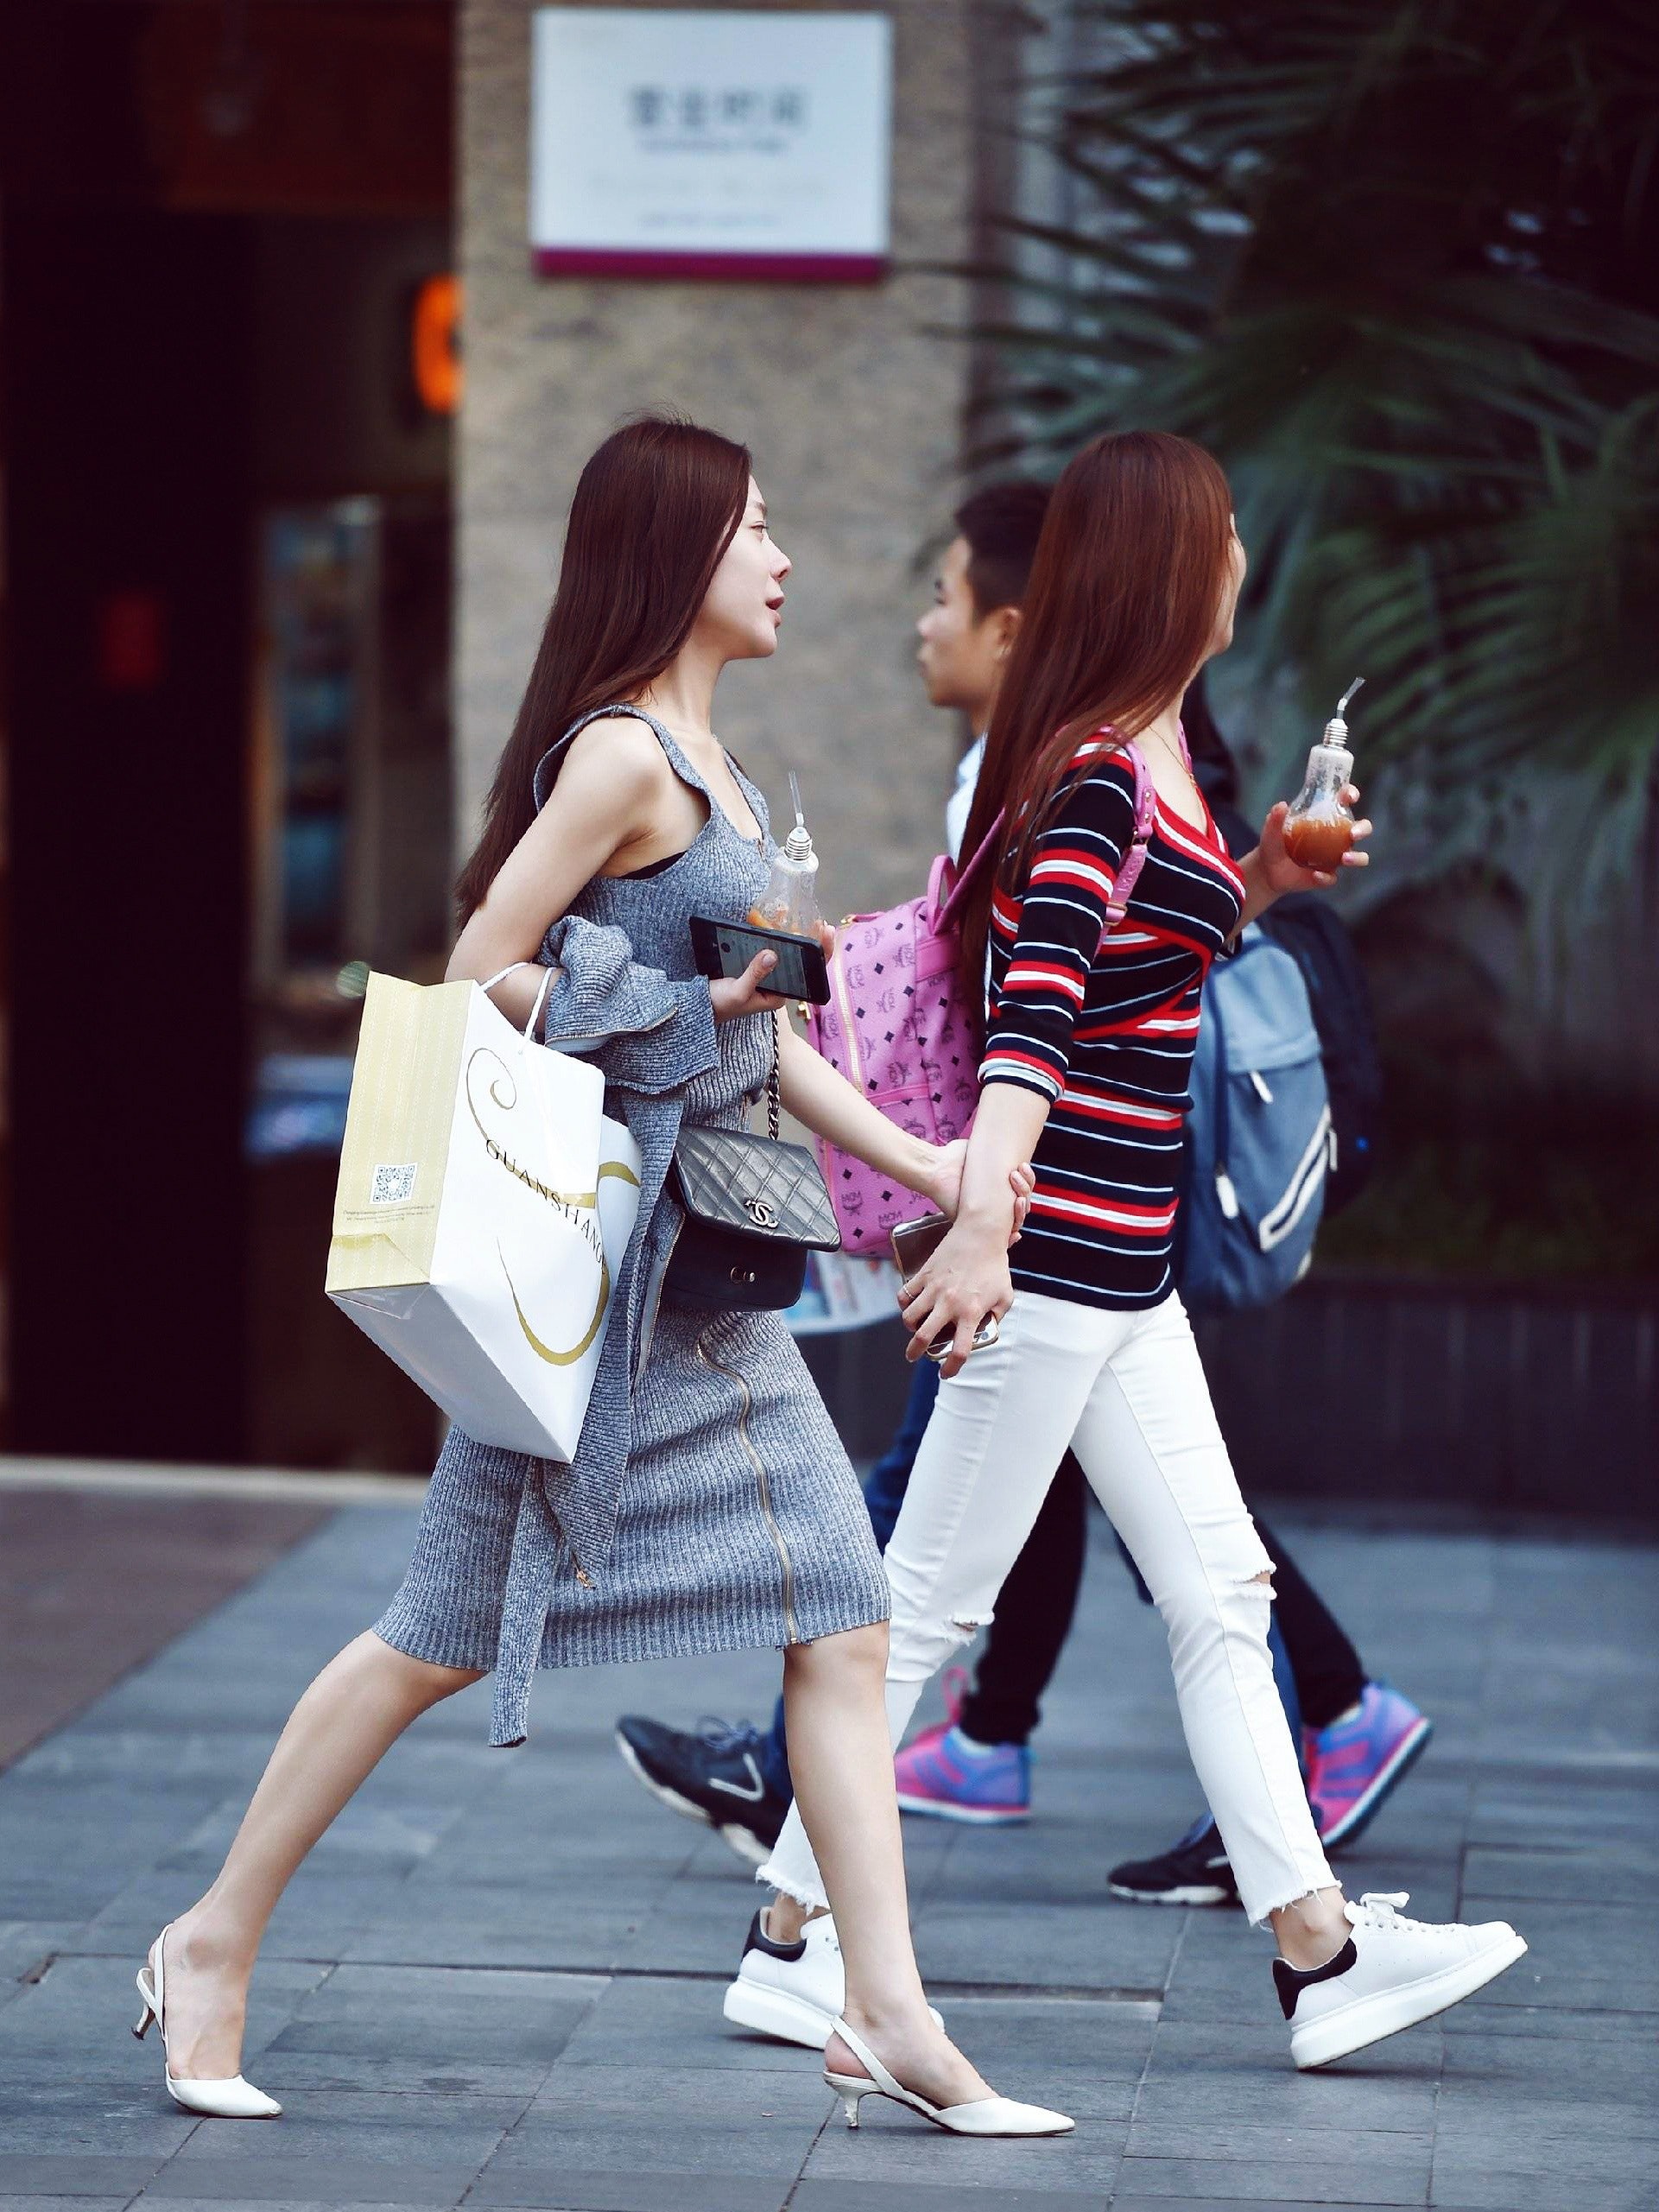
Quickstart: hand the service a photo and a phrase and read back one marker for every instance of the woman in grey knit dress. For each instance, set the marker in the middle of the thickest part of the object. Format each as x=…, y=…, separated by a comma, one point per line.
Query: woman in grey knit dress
x=710, y=1505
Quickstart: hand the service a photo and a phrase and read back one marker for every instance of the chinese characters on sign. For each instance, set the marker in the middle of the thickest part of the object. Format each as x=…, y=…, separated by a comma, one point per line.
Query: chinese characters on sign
x=692, y=115
x=681, y=143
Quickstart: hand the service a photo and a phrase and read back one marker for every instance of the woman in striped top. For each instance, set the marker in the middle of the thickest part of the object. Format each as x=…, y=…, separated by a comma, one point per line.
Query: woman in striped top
x=1092, y=1017
x=1101, y=1022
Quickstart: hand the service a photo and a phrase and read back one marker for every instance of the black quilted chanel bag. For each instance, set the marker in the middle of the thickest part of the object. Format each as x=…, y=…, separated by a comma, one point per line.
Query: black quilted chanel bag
x=754, y=1208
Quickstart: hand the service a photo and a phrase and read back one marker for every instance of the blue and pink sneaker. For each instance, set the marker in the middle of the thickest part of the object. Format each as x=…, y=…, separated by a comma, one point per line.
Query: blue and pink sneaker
x=1353, y=1763
x=946, y=1775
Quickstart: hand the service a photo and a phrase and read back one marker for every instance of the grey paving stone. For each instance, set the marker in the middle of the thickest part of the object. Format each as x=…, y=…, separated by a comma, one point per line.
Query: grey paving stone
x=73, y=2114
x=1031, y=2040
x=1254, y=2182
x=721, y=2135
x=354, y=2128
x=264, y=2205
x=1182, y=2093
x=1541, y=2073
x=459, y=1871
x=277, y=2179
x=430, y=2016
x=1122, y=2203
x=609, y=2190
x=1344, y=2165
x=463, y=1925
x=64, y=2203
x=1608, y=1875
x=646, y=2023
x=893, y=2146
x=292, y=2076
x=68, y=2174
x=922, y=2196
x=1483, y=2015
x=1107, y=1946
x=1579, y=1955
x=1582, y=2175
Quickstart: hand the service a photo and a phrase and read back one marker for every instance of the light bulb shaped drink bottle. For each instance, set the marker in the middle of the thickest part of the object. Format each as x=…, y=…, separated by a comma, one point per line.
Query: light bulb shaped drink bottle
x=1318, y=828
x=789, y=901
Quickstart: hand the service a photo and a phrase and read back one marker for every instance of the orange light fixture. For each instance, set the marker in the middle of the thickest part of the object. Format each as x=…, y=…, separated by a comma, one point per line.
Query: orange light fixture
x=435, y=343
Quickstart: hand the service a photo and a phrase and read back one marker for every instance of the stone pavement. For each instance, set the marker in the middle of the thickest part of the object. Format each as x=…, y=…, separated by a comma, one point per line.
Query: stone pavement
x=497, y=1981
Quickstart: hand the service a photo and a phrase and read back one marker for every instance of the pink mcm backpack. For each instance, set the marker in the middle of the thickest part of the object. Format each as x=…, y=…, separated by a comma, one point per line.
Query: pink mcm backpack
x=899, y=1025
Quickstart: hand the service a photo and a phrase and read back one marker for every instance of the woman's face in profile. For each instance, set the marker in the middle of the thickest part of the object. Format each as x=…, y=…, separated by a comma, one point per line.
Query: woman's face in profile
x=1233, y=584
x=740, y=616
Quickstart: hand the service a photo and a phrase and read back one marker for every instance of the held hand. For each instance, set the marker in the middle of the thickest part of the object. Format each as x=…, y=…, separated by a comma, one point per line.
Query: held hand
x=1283, y=874
x=944, y=1185
x=737, y=995
x=966, y=1279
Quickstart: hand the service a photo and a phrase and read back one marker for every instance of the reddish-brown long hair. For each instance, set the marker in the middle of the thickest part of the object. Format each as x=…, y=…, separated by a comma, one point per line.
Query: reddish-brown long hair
x=655, y=509
x=1120, y=612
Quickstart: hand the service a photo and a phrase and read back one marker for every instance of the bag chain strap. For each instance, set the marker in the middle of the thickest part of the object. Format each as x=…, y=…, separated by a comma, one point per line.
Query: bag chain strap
x=772, y=1108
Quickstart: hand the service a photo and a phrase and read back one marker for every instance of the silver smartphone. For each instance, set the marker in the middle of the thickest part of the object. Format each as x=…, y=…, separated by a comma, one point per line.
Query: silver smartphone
x=914, y=1244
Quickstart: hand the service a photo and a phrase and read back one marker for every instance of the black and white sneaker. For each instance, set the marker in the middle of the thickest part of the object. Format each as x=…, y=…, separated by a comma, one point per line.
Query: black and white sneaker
x=793, y=1991
x=1390, y=1974
x=713, y=1774
x=1195, y=1871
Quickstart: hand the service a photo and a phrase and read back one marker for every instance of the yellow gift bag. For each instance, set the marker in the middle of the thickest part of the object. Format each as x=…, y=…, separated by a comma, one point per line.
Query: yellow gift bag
x=484, y=1207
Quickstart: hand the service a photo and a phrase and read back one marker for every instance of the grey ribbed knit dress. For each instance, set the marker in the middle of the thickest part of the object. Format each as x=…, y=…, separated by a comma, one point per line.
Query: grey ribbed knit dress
x=738, y=1521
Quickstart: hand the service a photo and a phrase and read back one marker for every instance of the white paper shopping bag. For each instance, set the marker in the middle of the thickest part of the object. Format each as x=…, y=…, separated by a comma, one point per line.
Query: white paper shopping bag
x=484, y=1207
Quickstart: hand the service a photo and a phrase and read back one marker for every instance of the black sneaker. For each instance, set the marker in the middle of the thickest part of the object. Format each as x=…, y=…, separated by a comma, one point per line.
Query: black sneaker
x=1192, y=1871
x=713, y=1775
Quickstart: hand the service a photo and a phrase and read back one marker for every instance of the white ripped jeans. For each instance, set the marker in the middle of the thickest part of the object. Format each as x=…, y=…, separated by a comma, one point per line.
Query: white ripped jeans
x=1127, y=1393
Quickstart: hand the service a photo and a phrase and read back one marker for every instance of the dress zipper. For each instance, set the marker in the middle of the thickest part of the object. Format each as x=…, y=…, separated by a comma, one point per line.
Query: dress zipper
x=791, y=1626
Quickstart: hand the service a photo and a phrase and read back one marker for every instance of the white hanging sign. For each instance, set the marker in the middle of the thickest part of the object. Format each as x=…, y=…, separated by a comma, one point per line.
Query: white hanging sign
x=686, y=142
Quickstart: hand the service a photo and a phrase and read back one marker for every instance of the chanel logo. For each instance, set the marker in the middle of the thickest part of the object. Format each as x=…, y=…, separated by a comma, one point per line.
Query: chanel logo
x=763, y=1214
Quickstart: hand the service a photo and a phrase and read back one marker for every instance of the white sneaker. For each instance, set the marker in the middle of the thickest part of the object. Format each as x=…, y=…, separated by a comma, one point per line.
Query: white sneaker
x=1390, y=1974
x=796, y=1992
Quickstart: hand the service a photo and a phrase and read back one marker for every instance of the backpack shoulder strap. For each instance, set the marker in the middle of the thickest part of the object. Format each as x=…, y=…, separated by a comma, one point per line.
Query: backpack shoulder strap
x=1146, y=808
x=965, y=874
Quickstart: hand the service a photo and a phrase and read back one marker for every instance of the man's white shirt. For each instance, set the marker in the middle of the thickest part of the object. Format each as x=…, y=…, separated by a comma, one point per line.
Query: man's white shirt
x=959, y=805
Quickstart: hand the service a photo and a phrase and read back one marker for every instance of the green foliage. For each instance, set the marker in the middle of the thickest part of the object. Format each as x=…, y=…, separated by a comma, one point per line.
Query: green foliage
x=1394, y=261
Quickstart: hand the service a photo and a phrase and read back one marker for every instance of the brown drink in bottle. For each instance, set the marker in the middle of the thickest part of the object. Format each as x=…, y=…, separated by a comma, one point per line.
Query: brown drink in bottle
x=1318, y=828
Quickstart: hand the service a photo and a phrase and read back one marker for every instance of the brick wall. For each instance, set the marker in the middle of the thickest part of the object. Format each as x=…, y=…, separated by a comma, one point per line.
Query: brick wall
x=851, y=403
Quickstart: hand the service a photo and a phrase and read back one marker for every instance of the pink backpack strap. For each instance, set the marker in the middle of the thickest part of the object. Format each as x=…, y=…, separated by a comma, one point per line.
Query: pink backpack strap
x=966, y=874
x=1146, y=808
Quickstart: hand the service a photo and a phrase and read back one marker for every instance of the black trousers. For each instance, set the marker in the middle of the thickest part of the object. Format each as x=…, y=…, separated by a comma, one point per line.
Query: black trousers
x=1034, y=1617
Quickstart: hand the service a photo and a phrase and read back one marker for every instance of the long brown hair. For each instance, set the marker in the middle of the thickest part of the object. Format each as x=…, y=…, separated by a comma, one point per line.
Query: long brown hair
x=655, y=509
x=1120, y=612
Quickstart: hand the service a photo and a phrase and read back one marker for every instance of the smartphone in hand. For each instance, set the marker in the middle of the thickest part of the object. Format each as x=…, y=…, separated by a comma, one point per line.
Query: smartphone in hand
x=723, y=949
x=914, y=1244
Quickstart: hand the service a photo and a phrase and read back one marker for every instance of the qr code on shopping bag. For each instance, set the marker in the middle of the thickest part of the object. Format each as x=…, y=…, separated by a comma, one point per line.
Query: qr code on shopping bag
x=391, y=1186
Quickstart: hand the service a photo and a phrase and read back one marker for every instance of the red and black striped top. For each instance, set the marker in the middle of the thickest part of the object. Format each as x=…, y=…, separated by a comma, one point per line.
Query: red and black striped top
x=1103, y=1021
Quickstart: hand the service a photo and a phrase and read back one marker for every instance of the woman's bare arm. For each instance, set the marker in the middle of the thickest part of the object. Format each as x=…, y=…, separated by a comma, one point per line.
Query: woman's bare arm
x=817, y=1094
x=613, y=785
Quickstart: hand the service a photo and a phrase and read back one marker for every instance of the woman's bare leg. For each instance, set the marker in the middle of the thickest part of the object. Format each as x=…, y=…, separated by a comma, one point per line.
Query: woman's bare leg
x=841, y=1759
x=336, y=1736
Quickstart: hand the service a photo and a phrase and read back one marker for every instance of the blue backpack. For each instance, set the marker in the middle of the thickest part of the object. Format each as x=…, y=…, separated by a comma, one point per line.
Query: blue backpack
x=1259, y=1138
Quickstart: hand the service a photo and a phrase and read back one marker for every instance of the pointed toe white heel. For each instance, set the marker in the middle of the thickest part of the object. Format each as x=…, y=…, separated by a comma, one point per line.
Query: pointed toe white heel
x=231, y=2099
x=984, y=2116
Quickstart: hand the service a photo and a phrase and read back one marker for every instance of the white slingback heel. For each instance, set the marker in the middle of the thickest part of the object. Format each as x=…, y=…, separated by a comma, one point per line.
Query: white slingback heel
x=231, y=2099
x=984, y=2116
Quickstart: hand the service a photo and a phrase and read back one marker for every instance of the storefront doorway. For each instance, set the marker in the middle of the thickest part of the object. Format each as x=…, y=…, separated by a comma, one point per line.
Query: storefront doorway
x=226, y=629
